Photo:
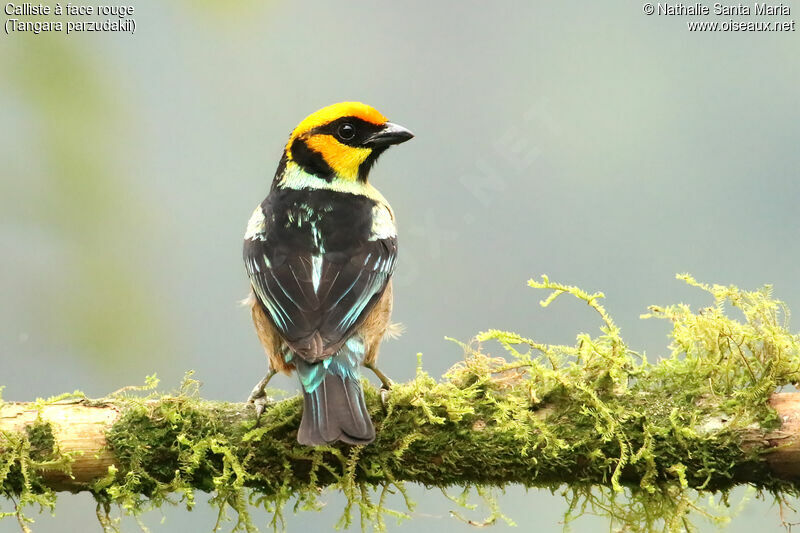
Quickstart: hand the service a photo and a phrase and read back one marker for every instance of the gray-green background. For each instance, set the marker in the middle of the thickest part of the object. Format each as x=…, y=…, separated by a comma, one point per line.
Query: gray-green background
x=588, y=141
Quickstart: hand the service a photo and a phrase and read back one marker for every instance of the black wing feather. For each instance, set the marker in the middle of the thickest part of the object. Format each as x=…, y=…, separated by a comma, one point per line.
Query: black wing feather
x=315, y=322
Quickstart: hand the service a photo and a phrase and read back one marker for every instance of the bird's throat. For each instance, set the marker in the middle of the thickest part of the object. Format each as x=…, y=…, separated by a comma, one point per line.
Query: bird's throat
x=295, y=177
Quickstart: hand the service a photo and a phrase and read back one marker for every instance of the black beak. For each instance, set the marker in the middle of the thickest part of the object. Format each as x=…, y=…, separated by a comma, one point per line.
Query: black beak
x=388, y=135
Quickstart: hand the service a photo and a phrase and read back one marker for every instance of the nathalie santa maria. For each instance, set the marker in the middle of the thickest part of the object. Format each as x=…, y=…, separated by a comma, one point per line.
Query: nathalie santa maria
x=718, y=8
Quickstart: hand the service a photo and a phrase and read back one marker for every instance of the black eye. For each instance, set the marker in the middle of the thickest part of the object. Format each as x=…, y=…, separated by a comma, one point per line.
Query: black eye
x=346, y=131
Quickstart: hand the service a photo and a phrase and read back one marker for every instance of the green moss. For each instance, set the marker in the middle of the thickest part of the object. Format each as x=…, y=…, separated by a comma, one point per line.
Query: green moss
x=22, y=457
x=629, y=439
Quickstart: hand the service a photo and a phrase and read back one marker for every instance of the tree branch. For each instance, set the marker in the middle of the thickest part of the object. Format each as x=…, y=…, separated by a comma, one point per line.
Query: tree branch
x=596, y=417
x=147, y=437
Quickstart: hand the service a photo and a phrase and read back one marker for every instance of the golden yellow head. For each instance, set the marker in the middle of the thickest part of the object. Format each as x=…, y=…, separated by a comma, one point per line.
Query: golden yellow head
x=342, y=141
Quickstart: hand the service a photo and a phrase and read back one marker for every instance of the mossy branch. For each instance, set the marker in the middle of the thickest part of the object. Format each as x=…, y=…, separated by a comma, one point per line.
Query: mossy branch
x=629, y=438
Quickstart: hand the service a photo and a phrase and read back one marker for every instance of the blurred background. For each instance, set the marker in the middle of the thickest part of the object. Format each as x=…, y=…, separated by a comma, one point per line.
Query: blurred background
x=590, y=142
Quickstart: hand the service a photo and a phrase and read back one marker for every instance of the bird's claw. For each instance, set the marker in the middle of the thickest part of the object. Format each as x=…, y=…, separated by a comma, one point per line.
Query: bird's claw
x=260, y=403
x=260, y=400
x=258, y=397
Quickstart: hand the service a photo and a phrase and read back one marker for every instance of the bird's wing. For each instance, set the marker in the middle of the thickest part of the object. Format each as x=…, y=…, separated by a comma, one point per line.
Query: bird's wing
x=316, y=301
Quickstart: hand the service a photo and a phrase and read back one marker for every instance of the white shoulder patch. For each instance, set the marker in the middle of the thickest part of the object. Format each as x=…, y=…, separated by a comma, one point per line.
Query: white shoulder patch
x=382, y=223
x=256, y=226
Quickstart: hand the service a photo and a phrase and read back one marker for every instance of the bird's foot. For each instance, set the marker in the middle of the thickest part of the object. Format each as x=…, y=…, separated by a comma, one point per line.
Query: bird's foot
x=386, y=383
x=260, y=403
x=258, y=397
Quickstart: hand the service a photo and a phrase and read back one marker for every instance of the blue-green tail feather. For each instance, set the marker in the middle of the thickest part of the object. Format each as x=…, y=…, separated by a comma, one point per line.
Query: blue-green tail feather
x=333, y=402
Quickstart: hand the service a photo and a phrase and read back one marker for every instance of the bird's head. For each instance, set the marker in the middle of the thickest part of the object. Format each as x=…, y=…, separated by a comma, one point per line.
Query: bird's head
x=342, y=141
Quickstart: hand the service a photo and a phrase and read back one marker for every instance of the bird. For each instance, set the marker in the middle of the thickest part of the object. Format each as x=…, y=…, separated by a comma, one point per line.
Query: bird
x=320, y=251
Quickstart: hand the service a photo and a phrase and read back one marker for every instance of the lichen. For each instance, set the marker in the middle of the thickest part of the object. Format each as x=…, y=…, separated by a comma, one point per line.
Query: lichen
x=639, y=442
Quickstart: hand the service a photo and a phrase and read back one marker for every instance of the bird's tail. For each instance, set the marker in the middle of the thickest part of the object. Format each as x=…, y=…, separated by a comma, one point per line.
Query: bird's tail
x=333, y=402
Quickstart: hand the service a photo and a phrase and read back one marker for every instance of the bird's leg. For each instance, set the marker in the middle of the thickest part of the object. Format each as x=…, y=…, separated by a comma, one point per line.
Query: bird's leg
x=259, y=395
x=386, y=383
